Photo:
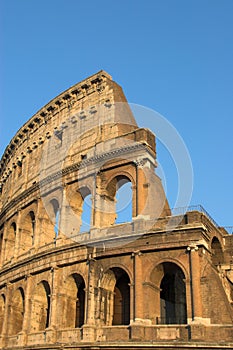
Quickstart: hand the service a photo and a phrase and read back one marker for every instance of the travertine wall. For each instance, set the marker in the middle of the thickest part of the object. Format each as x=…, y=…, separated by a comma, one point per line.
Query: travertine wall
x=154, y=278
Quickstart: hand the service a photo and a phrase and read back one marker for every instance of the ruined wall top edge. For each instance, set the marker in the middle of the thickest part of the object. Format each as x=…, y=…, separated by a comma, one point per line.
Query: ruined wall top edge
x=85, y=96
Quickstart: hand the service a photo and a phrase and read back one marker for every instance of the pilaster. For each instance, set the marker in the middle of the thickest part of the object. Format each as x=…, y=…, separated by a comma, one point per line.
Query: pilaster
x=195, y=282
x=89, y=328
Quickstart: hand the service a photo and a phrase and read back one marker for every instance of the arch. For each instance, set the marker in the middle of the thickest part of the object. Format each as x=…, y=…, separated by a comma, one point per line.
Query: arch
x=49, y=214
x=121, y=307
x=86, y=209
x=155, y=276
x=79, y=209
x=122, y=173
x=2, y=310
x=27, y=234
x=74, y=301
x=55, y=215
x=10, y=241
x=124, y=202
x=40, y=315
x=121, y=266
x=115, y=297
x=217, y=252
x=16, y=312
x=119, y=199
x=173, y=307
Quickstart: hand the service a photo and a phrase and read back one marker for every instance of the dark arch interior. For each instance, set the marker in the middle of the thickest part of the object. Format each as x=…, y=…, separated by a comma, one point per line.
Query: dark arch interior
x=173, y=309
x=121, y=306
x=80, y=300
x=33, y=221
x=48, y=295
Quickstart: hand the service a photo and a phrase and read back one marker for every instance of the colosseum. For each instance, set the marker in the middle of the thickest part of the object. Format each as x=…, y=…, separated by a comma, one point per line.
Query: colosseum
x=75, y=276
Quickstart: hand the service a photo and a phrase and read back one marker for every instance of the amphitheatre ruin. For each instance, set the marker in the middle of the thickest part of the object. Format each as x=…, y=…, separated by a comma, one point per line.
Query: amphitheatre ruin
x=71, y=275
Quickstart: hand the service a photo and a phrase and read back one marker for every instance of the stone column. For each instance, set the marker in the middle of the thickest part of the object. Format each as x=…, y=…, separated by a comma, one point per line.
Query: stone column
x=89, y=329
x=137, y=326
x=132, y=303
x=54, y=296
x=194, y=265
x=141, y=191
x=138, y=288
x=54, y=286
x=27, y=310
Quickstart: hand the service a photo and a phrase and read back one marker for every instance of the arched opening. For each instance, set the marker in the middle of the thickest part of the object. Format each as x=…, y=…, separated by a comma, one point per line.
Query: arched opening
x=217, y=253
x=114, y=298
x=74, y=301
x=86, y=216
x=80, y=302
x=2, y=310
x=124, y=197
x=27, y=232
x=78, y=212
x=55, y=215
x=40, y=316
x=118, y=202
x=10, y=242
x=121, y=300
x=33, y=225
x=16, y=312
x=173, y=309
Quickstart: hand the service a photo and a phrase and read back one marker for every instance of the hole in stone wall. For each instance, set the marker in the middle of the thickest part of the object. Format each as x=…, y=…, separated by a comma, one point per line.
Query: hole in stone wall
x=124, y=201
x=86, y=213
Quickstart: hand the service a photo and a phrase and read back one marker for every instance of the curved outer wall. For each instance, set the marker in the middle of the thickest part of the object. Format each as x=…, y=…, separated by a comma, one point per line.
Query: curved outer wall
x=60, y=284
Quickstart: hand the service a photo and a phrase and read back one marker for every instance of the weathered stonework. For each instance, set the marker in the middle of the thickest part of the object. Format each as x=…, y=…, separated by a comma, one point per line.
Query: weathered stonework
x=155, y=281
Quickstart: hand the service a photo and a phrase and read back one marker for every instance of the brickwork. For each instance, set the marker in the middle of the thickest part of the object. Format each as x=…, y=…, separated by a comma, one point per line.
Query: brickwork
x=152, y=280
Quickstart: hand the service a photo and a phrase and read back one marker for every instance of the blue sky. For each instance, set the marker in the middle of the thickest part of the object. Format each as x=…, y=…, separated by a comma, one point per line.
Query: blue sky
x=175, y=57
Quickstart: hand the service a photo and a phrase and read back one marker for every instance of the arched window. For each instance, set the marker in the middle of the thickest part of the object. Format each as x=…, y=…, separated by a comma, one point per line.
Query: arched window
x=124, y=201
x=80, y=305
x=33, y=226
x=16, y=312
x=27, y=232
x=40, y=316
x=74, y=302
x=121, y=297
x=55, y=215
x=2, y=310
x=118, y=203
x=172, y=295
x=217, y=253
x=10, y=242
x=86, y=209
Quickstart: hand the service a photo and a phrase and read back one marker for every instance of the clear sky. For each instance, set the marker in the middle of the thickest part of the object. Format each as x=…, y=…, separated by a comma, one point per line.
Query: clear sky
x=173, y=56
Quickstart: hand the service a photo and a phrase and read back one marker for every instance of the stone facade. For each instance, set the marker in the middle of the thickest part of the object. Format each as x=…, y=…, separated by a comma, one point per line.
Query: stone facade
x=154, y=281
